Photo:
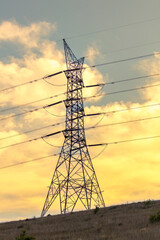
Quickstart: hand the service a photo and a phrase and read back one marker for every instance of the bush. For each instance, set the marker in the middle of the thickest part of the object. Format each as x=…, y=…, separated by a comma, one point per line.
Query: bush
x=96, y=210
x=155, y=217
x=24, y=237
x=148, y=202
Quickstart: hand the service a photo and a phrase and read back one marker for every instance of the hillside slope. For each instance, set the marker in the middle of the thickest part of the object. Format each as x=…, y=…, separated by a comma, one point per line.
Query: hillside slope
x=122, y=222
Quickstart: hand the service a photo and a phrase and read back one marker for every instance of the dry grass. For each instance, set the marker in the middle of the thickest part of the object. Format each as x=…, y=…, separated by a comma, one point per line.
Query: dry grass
x=123, y=222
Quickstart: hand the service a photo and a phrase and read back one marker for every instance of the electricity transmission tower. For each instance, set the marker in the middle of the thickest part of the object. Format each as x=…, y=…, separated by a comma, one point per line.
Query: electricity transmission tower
x=74, y=179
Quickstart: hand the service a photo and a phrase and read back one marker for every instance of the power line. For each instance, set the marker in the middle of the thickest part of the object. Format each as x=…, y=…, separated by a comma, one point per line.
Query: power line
x=56, y=85
x=89, y=145
x=36, y=109
x=125, y=80
x=123, y=141
x=62, y=131
x=113, y=28
x=25, y=83
x=122, y=49
x=93, y=66
x=86, y=115
x=19, y=143
x=32, y=160
x=30, y=140
x=26, y=104
x=43, y=99
x=21, y=84
x=33, y=130
x=53, y=114
x=103, y=30
x=122, y=91
x=118, y=123
x=106, y=63
x=50, y=144
x=95, y=85
x=121, y=110
x=85, y=98
x=120, y=61
x=97, y=155
x=129, y=121
x=30, y=111
x=135, y=78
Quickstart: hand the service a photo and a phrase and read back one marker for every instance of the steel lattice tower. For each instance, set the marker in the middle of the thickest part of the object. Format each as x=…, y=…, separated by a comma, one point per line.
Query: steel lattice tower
x=74, y=178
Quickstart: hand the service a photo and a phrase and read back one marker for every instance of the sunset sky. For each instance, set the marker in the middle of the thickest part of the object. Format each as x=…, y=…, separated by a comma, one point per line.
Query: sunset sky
x=31, y=47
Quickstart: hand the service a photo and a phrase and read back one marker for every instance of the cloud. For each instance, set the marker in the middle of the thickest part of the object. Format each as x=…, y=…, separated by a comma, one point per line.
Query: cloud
x=92, y=53
x=151, y=67
x=129, y=171
x=29, y=36
x=91, y=77
x=126, y=172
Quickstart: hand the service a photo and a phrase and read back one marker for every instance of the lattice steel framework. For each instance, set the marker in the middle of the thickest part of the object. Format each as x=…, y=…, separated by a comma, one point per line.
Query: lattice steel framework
x=74, y=178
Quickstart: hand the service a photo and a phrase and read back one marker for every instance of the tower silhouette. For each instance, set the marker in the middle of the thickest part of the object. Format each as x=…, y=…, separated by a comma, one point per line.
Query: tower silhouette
x=74, y=179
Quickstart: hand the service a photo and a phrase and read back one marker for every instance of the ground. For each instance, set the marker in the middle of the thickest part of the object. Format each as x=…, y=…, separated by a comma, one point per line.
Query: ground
x=121, y=222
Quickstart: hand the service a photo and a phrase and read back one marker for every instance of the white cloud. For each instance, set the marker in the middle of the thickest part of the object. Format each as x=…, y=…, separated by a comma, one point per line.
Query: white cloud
x=26, y=35
x=92, y=53
x=122, y=169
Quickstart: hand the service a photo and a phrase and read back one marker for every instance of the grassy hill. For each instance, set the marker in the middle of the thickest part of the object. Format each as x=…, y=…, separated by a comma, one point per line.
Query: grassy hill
x=122, y=222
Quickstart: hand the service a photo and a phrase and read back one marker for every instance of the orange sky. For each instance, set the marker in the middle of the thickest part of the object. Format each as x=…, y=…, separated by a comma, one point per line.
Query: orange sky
x=126, y=172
